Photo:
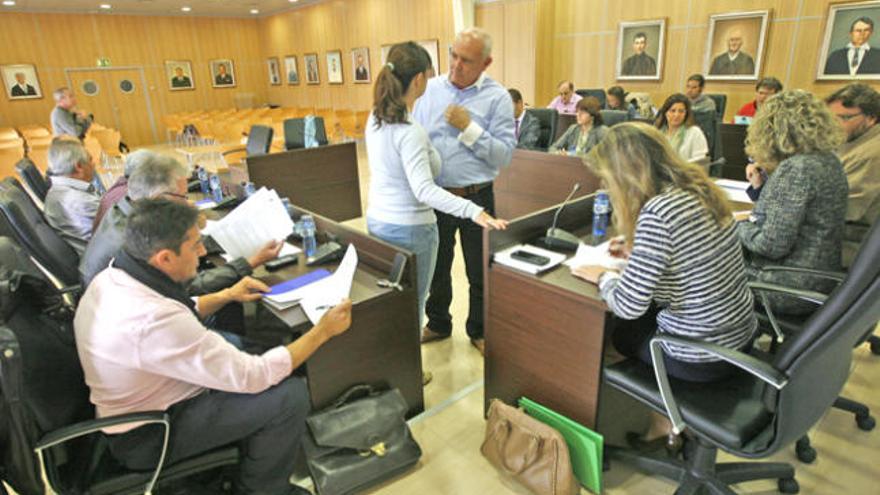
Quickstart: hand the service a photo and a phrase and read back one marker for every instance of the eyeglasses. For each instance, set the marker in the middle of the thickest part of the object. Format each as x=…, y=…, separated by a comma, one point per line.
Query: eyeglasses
x=848, y=117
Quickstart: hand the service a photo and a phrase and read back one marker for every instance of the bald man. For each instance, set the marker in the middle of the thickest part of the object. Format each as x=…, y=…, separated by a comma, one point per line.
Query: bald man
x=734, y=62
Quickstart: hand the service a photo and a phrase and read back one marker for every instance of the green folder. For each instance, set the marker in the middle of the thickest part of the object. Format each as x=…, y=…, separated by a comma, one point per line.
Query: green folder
x=584, y=444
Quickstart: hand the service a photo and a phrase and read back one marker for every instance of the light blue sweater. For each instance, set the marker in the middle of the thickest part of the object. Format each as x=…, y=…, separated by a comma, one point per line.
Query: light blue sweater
x=403, y=165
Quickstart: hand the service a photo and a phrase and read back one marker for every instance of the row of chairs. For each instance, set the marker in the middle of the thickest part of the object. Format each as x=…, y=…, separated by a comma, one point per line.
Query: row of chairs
x=28, y=140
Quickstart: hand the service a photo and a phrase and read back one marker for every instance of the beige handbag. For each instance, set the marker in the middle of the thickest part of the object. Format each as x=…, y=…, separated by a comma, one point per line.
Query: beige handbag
x=531, y=452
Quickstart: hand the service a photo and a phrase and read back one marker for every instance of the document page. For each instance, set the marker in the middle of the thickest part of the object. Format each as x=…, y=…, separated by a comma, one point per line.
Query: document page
x=253, y=224
x=331, y=291
x=596, y=255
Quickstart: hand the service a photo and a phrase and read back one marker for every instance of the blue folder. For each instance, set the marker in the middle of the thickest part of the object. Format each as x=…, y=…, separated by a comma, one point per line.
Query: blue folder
x=296, y=283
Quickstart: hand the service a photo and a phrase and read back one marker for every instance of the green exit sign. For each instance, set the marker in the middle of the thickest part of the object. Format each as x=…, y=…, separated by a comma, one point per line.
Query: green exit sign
x=103, y=62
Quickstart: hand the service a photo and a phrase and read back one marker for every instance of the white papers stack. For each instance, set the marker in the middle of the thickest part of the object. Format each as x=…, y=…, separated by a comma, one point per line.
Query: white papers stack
x=596, y=256
x=286, y=249
x=261, y=219
x=735, y=189
x=505, y=259
x=328, y=292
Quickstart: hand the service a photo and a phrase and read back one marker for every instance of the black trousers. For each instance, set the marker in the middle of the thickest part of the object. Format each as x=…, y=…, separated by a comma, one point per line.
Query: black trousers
x=267, y=426
x=632, y=338
x=440, y=297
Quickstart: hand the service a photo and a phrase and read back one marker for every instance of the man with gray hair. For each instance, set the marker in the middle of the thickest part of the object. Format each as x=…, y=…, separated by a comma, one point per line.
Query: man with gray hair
x=469, y=119
x=66, y=119
x=160, y=176
x=120, y=188
x=71, y=203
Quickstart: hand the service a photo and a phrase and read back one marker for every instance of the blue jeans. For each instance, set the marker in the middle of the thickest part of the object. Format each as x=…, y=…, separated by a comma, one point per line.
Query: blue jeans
x=422, y=240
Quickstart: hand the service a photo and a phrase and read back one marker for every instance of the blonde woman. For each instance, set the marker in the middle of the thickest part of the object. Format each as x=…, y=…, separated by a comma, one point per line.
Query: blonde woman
x=798, y=219
x=685, y=274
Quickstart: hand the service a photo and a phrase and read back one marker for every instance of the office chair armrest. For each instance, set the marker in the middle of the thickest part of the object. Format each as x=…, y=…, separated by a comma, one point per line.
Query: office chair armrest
x=752, y=365
x=761, y=288
x=84, y=428
x=836, y=276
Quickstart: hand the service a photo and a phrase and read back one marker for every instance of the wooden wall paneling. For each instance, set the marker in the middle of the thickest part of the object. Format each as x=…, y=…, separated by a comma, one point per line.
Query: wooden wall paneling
x=491, y=17
x=519, y=39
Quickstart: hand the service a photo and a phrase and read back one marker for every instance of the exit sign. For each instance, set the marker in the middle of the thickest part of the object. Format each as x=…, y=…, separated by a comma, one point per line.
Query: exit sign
x=103, y=62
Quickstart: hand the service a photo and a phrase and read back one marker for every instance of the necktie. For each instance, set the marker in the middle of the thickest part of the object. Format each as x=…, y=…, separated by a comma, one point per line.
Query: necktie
x=516, y=127
x=855, y=59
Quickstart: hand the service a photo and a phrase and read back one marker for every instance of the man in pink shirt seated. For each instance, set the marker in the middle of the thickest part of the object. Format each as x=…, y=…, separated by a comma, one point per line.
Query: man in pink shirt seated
x=567, y=100
x=143, y=347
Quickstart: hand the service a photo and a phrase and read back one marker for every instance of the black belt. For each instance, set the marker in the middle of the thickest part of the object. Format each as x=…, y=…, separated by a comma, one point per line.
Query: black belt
x=468, y=190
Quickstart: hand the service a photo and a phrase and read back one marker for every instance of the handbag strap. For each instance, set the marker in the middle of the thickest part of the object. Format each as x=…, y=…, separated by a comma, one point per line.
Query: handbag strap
x=531, y=455
x=362, y=389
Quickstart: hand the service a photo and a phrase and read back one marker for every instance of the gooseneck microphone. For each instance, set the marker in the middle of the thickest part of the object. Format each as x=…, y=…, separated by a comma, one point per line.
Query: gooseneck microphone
x=574, y=189
x=560, y=239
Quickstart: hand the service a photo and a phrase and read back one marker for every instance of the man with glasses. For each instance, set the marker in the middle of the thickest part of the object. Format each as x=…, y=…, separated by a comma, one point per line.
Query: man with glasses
x=857, y=107
x=567, y=100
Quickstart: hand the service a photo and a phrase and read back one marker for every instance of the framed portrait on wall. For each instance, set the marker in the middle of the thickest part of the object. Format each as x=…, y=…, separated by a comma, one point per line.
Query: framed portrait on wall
x=274, y=71
x=334, y=67
x=179, y=74
x=290, y=69
x=222, y=73
x=21, y=81
x=848, y=34
x=312, y=74
x=433, y=47
x=640, y=46
x=735, y=45
x=360, y=60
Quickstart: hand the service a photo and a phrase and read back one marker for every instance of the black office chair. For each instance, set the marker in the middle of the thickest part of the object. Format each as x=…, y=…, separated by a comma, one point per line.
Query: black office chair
x=720, y=104
x=547, y=118
x=710, y=124
x=599, y=93
x=295, y=130
x=614, y=117
x=21, y=220
x=32, y=177
x=766, y=406
x=259, y=140
x=48, y=412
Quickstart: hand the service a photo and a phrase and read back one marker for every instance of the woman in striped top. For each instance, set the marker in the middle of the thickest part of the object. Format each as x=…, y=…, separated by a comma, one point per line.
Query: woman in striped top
x=685, y=274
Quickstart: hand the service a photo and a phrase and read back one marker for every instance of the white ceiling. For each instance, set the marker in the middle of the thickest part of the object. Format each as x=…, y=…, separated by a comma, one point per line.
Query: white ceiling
x=221, y=8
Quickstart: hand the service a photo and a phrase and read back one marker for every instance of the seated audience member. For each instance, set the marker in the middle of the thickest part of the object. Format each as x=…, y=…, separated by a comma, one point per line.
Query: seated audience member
x=694, y=91
x=798, y=219
x=567, y=100
x=857, y=108
x=765, y=88
x=584, y=134
x=615, y=99
x=71, y=203
x=160, y=176
x=685, y=274
x=119, y=188
x=526, y=127
x=676, y=121
x=143, y=347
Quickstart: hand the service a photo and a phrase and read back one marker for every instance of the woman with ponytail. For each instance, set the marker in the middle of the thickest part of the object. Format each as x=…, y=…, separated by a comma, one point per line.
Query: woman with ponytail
x=403, y=165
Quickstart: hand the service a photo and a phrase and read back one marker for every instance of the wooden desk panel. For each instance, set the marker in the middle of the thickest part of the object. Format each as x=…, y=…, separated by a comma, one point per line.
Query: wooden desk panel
x=323, y=179
x=535, y=180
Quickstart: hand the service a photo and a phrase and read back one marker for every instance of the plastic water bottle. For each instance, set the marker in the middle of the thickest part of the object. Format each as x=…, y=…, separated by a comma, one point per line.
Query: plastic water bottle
x=310, y=245
x=203, y=180
x=248, y=188
x=601, y=212
x=216, y=190
x=572, y=150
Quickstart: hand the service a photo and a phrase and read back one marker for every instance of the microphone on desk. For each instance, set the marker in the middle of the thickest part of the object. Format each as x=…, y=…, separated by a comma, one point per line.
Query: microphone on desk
x=557, y=238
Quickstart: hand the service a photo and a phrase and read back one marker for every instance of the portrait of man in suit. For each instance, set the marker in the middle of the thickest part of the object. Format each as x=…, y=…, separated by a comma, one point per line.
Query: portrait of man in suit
x=734, y=61
x=21, y=82
x=179, y=75
x=361, y=65
x=334, y=67
x=224, y=75
x=640, y=49
x=639, y=63
x=180, y=80
x=858, y=57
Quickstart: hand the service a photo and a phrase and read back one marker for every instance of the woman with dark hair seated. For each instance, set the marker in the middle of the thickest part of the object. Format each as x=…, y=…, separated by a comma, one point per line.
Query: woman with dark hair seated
x=676, y=120
x=581, y=136
x=616, y=100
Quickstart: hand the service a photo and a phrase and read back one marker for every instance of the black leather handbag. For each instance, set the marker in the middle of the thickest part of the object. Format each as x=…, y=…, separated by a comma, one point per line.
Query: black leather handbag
x=359, y=441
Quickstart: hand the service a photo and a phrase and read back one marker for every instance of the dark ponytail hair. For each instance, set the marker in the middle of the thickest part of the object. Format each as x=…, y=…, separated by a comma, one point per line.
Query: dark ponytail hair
x=405, y=61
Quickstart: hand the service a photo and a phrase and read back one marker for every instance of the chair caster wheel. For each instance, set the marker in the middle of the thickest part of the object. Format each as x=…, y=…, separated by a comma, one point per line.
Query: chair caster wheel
x=805, y=454
x=788, y=485
x=866, y=423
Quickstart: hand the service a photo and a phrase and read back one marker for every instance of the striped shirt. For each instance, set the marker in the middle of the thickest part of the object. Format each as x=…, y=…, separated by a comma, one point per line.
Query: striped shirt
x=692, y=269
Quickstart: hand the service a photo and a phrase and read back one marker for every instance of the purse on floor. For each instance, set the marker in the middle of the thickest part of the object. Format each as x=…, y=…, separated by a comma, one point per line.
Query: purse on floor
x=528, y=450
x=359, y=441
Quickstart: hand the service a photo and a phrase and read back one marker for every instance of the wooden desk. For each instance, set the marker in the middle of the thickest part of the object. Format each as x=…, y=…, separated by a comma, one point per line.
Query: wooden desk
x=563, y=122
x=323, y=179
x=535, y=180
x=733, y=147
x=545, y=333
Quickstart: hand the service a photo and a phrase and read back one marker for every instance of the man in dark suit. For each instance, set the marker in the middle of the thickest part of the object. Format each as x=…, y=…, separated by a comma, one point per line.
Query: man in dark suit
x=858, y=57
x=222, y=78
x=639, y=63
x=527, y=129
x=180, y=80
x=734, y=61
x=22, y=88
x=360, y=72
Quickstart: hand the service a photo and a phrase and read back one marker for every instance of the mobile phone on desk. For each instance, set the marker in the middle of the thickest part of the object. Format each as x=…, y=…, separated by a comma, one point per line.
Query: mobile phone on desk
x=280, y=262
x=530, y=258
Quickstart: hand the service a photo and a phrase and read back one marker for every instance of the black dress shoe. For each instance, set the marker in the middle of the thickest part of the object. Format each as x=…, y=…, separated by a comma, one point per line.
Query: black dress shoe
x=672, y=443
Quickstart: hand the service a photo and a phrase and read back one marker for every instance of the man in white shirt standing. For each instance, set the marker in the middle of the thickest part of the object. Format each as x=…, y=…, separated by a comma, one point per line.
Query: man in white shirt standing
x=857, y=57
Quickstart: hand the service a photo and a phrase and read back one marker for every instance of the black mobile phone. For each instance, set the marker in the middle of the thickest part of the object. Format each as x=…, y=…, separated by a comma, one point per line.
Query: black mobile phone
x=277, y=263
x=531, y=258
